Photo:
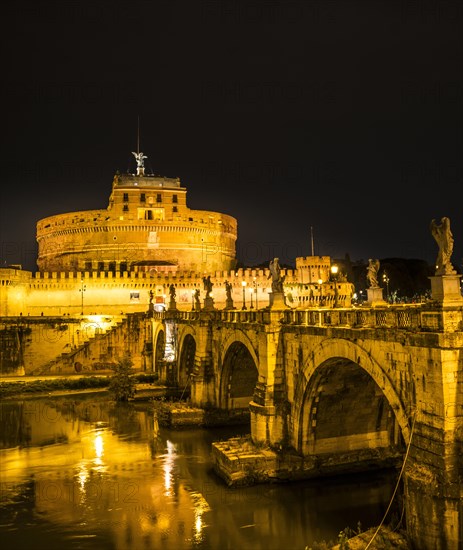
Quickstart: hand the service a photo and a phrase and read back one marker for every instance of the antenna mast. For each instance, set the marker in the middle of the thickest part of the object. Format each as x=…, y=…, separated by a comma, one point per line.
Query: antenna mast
x=311, y=239
x=138, y=134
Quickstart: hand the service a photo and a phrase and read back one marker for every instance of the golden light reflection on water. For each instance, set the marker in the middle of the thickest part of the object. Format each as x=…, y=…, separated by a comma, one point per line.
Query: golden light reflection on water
x=99, y=477
x=137, y=491
x=98, y=444
x=169, y=461
x=82, y=475
x=200, y=507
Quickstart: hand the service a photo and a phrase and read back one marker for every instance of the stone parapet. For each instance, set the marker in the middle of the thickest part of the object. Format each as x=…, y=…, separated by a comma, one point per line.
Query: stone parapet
x=445, y=289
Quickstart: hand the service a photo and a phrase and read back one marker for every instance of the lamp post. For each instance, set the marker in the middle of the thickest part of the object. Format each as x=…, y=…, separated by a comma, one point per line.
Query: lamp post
x=243, y=283
x=82, y=289
x=255, y=290
x=386, y=280
x=251, y=292
x=334, y=273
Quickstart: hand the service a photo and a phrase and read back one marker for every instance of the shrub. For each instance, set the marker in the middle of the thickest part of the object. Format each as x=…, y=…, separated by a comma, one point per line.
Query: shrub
x=122, y=384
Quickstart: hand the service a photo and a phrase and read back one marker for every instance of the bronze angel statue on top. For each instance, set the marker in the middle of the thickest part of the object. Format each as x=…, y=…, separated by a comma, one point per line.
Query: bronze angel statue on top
x=139, y=157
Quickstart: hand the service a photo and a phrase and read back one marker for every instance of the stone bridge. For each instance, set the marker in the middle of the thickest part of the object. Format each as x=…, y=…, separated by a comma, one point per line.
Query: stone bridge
x=357, y=384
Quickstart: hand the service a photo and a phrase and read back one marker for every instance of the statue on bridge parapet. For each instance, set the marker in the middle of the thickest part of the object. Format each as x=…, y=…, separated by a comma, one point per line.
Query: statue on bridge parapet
x=277, y=296
x=372, y=273
x=444, y=239
x=445, y=284
x=374, y=292
x=275, y=274
x=197, y=302
x=172, y=295
x=208, y=300
x=228, y=293
x=207, y=283
x=151, y=305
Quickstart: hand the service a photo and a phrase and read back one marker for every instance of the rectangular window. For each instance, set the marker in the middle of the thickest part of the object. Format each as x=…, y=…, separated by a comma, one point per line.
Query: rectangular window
x=126, y=208
x=142, y=197
x=174, y=198
x=159, y=197
x=88, y=266
x=126, y=197
x=148, y=214
x=174, y=209
x=100, y=266
x=134, y=296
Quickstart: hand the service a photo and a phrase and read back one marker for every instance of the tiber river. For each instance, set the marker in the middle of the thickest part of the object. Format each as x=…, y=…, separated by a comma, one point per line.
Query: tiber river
x=84, y=473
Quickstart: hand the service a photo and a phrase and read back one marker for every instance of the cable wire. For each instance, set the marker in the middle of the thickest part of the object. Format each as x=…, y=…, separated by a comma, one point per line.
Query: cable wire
x=396, y=486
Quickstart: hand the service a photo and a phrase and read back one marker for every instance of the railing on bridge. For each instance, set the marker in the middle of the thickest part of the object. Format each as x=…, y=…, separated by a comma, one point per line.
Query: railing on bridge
x=413, y=317
x=407, y=318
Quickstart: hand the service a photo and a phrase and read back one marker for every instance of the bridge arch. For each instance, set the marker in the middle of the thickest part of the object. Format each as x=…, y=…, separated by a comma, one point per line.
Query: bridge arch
x=186, y=354
x=159, y=347
x=341, y=379
x=239, y=372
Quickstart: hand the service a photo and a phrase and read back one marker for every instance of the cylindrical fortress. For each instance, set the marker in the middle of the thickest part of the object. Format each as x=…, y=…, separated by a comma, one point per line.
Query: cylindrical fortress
x=147, y=226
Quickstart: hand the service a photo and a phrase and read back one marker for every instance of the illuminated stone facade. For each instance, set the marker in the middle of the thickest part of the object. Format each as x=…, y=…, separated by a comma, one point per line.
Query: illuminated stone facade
x=106, y=293
x=147, y=226
x=144, y=246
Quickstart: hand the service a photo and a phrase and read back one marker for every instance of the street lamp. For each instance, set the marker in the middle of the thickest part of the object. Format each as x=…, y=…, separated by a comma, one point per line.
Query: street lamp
x=243, y=283
x=334, y=273
x=251, y=292
x=82, y=289
x=255, y=290
x=386, y=280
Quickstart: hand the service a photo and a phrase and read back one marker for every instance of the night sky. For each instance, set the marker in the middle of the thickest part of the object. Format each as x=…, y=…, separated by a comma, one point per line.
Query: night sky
x=344, y=116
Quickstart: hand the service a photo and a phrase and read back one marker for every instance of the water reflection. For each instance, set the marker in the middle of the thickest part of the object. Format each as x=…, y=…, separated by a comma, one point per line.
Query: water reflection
x=85, y=473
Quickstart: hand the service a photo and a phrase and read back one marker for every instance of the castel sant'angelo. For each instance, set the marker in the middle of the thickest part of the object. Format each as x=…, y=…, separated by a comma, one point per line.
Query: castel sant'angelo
x=146, y=247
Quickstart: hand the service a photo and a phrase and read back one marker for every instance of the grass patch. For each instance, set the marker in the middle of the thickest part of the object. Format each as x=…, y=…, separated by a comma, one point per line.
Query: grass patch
x=8, y=389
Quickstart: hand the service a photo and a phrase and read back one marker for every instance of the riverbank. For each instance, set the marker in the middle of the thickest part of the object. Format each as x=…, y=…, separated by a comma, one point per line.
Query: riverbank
x=382, y=539
x=146, y=386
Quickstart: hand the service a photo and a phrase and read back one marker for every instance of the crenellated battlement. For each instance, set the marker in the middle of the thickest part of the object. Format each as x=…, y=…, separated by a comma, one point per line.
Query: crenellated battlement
x=251, y=276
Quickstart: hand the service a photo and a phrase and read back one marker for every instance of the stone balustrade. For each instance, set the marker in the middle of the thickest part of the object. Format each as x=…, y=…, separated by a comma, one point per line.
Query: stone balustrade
x=410, y=317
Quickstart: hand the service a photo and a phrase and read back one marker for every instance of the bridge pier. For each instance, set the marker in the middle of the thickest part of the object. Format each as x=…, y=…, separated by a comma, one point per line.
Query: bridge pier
x=203, y=384
x=269, y=407
x=268, y=424
x=432, y=482
x=433, y=514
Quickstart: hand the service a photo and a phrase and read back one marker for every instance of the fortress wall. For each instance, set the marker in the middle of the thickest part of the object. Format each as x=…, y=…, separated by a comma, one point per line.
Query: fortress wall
x=60, y=293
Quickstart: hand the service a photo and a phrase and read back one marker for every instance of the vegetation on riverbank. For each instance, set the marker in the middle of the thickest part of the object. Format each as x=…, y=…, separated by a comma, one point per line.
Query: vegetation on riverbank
x=44, y=386
x=122, y=384
x=386, y=538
